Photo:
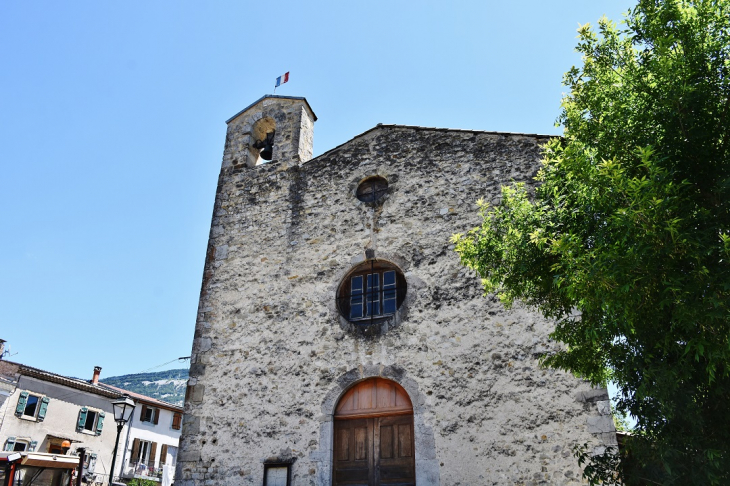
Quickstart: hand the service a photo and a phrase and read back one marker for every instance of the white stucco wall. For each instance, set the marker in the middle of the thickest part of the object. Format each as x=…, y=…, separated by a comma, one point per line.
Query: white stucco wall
x=160, y=433
x=61, y=419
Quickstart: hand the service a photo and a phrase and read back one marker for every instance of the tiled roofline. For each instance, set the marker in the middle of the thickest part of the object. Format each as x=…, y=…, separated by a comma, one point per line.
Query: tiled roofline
x=66, y=381
x=102, y=389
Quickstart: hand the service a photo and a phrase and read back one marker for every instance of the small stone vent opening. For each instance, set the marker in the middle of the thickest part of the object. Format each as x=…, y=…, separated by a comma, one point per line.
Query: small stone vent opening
x=372, y=292
x=372, y=189
x=263, y=133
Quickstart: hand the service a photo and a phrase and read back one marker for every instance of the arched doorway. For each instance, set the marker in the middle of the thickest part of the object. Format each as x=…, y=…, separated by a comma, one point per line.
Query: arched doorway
x=373, y=436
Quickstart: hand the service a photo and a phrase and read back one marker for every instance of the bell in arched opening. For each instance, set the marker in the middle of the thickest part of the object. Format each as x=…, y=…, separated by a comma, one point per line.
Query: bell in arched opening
x=266, y=145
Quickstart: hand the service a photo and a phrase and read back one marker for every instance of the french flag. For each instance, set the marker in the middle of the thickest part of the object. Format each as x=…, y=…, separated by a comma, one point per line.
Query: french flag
x=282, y=79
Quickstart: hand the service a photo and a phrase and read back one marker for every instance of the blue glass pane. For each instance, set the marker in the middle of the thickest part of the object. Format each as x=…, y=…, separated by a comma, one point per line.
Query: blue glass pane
x=356, y=297
x=389, y=306
x=373, y=282
x=373, y=308
x=356, y=307
x=389, y=279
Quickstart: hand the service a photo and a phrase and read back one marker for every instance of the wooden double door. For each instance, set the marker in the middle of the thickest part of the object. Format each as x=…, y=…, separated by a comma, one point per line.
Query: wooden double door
x=374, y=451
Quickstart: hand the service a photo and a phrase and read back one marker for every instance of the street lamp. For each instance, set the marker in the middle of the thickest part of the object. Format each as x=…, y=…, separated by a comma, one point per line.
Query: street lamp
x=123, y=408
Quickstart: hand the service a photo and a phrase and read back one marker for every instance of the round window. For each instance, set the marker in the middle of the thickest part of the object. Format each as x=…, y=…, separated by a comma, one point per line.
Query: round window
x=372, y=189
x=372, y=292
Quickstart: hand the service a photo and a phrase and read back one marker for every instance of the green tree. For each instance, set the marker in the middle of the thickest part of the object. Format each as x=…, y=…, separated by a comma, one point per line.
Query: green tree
x=629, y=226
x=142, y=482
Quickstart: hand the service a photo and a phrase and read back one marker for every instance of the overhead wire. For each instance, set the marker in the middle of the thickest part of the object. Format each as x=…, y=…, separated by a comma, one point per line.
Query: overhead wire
x=163, y=364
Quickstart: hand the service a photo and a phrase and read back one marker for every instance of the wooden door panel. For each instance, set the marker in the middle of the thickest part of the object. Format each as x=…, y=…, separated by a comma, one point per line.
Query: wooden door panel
x=353, y=452
x=352, y=477
x=405, y=440
x=342, y=442
x=396, y=475
x=397, y=462
x=386, y=442
x=362, y=444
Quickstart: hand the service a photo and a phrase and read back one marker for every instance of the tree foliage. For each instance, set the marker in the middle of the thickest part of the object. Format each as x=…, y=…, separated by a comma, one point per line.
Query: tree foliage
x=630, y=227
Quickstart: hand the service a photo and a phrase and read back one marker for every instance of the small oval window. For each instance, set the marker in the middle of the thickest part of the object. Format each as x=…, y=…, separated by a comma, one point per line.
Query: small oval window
x=372, y=189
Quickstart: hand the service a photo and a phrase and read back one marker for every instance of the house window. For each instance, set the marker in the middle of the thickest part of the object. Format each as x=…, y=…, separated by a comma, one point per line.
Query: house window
x=13, y=444
x=144, y=451
x=20, y=446
x=90, y=421
x=149, y=414
x=144, y=454
x=31, y=406
x=176, y=421
x=372, y=291
x=89, y=466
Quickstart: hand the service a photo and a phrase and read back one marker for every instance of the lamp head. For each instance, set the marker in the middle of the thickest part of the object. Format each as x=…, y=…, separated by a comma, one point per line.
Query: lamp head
x=123, y=408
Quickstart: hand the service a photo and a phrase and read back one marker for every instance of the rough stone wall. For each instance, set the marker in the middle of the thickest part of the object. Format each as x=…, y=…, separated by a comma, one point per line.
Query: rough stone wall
x=271, y=357
x=294, y=132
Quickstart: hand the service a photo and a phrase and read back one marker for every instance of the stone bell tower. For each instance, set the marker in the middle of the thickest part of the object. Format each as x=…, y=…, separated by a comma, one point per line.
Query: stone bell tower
x=273, y=128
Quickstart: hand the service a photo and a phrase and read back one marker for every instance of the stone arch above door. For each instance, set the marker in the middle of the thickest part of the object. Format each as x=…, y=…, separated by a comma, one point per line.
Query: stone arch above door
x=427, y=466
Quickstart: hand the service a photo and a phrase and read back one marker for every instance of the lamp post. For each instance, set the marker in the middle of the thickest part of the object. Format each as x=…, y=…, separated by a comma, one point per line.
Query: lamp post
x=123, y=408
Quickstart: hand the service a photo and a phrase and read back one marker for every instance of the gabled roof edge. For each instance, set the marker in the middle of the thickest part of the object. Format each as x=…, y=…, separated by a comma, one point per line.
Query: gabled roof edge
x=66, y=381
x=102, y=389
x=416, y=127
x=300, y=98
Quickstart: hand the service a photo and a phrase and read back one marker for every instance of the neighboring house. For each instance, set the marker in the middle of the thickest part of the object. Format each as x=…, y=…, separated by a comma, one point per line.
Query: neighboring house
x=152, y=439
x=55, y=414
x=45, y=412
x=7, y=387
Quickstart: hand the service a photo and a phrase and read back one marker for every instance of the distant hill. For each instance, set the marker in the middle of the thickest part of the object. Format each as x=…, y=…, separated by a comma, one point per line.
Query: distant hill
x=168, y=386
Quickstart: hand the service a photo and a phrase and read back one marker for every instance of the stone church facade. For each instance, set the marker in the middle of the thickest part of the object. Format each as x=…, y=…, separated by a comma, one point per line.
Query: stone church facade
x=338, y=340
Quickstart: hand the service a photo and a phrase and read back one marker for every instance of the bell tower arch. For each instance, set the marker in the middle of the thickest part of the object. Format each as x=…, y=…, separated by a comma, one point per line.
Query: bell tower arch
x=274, y=128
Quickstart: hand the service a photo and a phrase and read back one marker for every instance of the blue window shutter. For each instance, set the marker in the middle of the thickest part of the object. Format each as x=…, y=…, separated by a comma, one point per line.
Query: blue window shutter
x=100, y=423
x=22, y=400
x=43, y=408
x=9, y=444
x=32, y=445
x=82, y=419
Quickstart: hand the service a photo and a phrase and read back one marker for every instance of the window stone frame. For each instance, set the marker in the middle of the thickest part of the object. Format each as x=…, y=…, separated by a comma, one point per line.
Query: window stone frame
x=381, y=325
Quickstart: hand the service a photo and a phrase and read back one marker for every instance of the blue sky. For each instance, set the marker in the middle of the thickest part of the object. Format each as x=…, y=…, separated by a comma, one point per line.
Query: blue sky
x=112, y=128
